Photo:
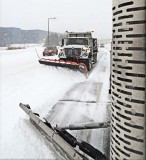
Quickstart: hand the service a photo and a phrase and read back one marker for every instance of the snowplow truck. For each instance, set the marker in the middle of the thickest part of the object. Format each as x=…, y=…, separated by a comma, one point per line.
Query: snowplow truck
x=79, y=47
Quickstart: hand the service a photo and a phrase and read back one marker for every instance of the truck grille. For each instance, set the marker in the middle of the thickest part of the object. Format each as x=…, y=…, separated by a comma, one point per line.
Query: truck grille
x=73, y=52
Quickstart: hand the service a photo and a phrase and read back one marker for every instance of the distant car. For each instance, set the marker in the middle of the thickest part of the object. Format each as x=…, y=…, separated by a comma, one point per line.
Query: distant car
x=101, y=45
x=50, y=51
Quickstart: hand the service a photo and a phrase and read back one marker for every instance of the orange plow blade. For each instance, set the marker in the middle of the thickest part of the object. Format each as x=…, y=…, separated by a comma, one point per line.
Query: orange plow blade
x=67, y=64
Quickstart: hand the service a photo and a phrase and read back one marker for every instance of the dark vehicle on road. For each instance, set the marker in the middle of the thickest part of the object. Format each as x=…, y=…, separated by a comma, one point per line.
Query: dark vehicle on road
x=50, y=51
x=102, y=45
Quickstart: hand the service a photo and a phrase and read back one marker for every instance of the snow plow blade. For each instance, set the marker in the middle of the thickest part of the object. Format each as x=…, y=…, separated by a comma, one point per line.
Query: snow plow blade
x=52, y=134
x=64, y=140
x=67, y=64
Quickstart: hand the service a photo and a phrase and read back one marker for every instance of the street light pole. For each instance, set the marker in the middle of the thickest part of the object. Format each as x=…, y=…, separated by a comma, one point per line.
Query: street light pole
x=48, y=30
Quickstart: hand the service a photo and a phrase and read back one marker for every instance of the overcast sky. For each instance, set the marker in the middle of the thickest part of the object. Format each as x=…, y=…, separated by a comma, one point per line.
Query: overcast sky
x=71, y=15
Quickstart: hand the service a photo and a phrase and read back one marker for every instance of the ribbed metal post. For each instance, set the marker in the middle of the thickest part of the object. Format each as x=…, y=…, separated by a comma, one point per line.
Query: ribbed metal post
x=128, y=80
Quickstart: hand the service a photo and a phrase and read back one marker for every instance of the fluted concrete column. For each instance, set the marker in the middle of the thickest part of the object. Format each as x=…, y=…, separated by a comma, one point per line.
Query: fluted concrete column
x=128, y=80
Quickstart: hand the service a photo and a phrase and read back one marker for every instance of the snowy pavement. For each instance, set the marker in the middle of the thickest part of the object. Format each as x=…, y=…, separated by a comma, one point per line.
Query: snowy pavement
x=87, y=102
x=67, y=95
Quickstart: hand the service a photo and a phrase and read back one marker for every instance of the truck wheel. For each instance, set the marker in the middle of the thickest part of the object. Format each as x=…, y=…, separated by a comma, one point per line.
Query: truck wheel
x=89, y=64
x=95, y=58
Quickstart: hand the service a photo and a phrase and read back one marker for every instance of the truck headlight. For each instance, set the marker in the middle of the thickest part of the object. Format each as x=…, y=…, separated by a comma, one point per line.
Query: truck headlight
x=83, y=49
x=61, y=54
x=85, y=54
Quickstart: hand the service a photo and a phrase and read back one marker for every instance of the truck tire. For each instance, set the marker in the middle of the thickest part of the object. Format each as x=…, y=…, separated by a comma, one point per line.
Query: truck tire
x=95, y=58
x=89, y=64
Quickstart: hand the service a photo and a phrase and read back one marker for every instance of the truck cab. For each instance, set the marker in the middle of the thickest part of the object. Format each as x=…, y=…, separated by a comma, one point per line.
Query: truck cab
x=79, y=47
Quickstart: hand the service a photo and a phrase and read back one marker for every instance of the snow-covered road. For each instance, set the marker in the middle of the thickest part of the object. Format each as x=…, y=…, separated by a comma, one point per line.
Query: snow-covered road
x=61, y=95
x=87, y=102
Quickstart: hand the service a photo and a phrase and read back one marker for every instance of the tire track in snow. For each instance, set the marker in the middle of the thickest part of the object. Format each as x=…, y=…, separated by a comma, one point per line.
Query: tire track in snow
x=83, y=103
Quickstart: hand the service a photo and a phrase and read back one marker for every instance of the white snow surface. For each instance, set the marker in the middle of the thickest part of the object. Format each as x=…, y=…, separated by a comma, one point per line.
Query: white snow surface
x=23, y=79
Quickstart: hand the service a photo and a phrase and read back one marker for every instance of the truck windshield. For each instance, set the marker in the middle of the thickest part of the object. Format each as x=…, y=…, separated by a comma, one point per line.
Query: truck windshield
x=77, y=41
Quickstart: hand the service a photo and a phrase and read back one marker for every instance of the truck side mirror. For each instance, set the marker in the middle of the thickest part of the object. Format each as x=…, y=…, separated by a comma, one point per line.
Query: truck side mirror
x=62, y=42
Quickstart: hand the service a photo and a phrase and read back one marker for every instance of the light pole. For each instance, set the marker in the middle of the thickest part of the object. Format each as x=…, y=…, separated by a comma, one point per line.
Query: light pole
x=48, y=30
